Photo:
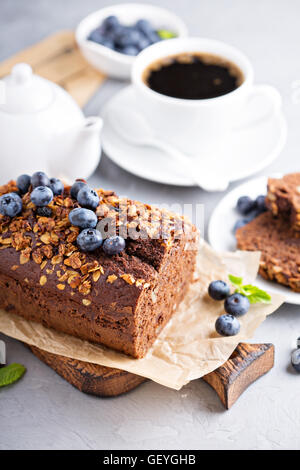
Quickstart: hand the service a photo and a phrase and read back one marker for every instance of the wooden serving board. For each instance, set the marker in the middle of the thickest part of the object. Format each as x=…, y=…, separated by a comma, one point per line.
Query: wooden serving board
x=59, y=59
x=247, y=363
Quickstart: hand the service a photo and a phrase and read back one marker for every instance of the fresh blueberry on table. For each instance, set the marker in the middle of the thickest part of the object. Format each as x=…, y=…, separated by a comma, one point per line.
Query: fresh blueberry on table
x=56, y=186
x=295, y=357
x=88, y=197
x=10, y=204
x=227, y=325
x=218, y=290
x=76, y=188
x=41, y=196
x=23, y=183
x=245, y=205
x=237, y=304
x=39, y=179
x=83, y=218
x=89, y=239
x=114, y=245
x=44, y=211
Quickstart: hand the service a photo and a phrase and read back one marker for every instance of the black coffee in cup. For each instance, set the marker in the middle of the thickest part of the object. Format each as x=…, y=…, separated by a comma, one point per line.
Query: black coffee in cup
x=193, y=76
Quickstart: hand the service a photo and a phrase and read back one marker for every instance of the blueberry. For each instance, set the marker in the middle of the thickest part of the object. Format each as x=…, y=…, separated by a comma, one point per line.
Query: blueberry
x=144, y=26
x=143, y=43
x=40, y=179
x=83, y=218
x=130, y=50
x=114, y=245
x=218, y=290
x=128, y=37
x=99, y=38
x=41, y=196
x=57, y=186
x=237, y=304
x=245, y=205
x=227, y=325
x=44, y=211
x=252, y=215
x=89, y=239
x=261, y=203
x=153, y=37
x=111, y=22
x=76, y=188
x=88, y=197
x=295, y=359
x=239, y=223
x=10, y=204
x=23, y=183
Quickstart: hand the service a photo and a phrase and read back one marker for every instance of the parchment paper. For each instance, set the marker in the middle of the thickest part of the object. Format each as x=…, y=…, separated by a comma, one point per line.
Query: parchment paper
x=187, y=348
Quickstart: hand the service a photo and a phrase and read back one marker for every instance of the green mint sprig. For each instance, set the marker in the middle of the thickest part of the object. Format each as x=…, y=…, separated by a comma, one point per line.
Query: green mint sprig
x=165, y=34
x=10, y=374
x=254, y=294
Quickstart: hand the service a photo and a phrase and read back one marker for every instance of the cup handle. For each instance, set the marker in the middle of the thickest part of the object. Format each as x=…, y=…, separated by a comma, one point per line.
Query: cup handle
x=272, y=99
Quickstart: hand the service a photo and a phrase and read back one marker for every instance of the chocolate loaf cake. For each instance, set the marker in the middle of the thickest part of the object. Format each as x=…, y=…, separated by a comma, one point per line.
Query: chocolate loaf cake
x=122, y=300
x=283, y=198
x=279, y=245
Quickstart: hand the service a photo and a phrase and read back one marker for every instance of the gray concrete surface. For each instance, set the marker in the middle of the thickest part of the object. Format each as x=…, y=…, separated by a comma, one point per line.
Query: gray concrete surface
x=42, y=411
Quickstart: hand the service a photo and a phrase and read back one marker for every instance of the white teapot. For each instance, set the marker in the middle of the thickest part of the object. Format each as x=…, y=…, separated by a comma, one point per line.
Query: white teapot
x=43, y=128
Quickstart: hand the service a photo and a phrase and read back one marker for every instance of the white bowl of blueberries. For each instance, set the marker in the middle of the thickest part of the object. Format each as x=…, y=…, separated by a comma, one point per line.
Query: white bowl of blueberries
x=111, y=38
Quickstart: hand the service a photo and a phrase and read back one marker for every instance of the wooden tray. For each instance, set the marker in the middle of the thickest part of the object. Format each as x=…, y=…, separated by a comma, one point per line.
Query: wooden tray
x=247, y=363
x=58, y=58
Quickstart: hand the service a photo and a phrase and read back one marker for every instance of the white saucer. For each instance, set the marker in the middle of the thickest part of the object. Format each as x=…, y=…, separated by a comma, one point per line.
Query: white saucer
x=248, y=150
x=221, y=236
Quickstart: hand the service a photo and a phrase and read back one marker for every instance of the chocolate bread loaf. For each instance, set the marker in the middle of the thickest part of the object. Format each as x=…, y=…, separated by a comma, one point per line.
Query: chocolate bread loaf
x=122, y=301
x=279, y=245
x=283, y=198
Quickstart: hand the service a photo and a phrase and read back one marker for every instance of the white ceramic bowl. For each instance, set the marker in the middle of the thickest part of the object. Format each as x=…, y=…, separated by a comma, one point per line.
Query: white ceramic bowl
x=112, y=63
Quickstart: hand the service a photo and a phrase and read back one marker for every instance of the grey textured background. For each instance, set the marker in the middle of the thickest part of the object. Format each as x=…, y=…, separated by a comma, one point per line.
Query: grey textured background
x=42, y=411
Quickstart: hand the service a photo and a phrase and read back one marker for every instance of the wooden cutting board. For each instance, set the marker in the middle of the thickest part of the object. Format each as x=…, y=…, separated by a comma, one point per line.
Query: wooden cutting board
x=247, y=363
x=58, y=59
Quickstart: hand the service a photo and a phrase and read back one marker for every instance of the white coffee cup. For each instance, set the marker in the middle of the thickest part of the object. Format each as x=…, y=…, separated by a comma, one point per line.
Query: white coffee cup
x=200, y=127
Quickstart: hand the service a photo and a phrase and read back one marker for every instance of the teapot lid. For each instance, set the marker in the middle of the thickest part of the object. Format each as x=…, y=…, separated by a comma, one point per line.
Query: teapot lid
x=25, y=92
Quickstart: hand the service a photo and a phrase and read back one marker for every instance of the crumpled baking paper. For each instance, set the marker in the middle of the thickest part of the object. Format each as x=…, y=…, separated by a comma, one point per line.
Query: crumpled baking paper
x=187, y=348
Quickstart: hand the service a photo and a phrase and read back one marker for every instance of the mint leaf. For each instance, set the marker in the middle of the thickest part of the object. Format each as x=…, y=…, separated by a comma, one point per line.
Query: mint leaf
x=165, y=34
x=236, y=281
x=10, y=374
x=254, y=294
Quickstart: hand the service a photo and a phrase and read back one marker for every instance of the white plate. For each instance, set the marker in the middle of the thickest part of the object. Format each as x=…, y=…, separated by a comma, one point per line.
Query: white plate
x=221, y=236
x=247, y=152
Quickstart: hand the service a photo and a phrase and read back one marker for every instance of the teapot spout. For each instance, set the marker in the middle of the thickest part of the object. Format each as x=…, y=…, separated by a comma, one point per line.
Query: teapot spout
x=78, y=151
x=92, y=124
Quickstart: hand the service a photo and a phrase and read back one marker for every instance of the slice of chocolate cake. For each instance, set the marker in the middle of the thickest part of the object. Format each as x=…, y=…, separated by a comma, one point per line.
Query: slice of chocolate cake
x=279, y=245
x=283, y=198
